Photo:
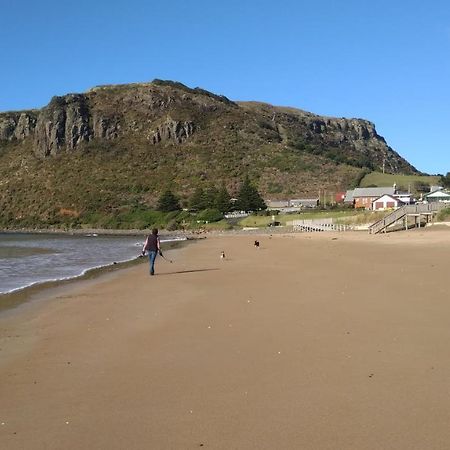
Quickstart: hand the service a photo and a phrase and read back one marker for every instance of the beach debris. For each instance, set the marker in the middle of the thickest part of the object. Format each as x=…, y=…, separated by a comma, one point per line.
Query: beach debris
x=279, y=353
x=334, y=239
x=190, y=411
x=67, y=422
x=3, y=423
x=209, y=326
x=107, y=318
x=371, y=375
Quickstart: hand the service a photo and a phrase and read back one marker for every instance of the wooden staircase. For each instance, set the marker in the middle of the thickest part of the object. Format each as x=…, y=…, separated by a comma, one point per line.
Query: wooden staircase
x=426, y=210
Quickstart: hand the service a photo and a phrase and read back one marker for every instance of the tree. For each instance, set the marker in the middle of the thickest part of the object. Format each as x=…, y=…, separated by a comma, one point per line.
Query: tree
x=210, y=197
x=222, y=200
x=421, y=186
x=203, y=198
x=248, y=198
x=168, y=202
x=197, y=200
x=445, y=181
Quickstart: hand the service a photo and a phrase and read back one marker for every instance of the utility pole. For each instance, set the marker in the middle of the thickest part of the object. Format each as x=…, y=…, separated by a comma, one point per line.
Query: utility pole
x=384, y=164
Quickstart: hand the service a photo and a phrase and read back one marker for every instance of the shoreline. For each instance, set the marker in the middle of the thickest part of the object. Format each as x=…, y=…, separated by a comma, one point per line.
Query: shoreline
x=98, y=231
x=26, y=294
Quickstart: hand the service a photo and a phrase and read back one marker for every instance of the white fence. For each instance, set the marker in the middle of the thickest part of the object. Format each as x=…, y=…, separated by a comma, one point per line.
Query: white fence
x=313, y=225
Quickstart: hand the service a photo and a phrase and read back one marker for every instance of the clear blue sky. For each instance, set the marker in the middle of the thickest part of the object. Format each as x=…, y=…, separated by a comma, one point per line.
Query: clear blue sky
x=387, y=61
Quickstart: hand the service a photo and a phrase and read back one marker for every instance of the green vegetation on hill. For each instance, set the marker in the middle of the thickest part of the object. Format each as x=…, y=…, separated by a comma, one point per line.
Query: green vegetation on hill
x=403, y=181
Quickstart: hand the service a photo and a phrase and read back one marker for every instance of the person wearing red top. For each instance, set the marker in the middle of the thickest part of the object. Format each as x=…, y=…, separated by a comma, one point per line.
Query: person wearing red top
x=152, y=247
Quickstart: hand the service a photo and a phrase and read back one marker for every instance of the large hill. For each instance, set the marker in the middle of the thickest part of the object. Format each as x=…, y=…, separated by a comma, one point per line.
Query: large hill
x=117, y=147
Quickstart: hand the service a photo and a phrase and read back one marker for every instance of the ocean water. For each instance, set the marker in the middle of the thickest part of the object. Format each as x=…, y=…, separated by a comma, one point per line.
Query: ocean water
x=27, y=259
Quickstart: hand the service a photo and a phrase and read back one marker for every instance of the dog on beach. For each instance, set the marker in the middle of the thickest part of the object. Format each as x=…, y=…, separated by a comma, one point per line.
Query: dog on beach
x=222, y=255
x=256, y=244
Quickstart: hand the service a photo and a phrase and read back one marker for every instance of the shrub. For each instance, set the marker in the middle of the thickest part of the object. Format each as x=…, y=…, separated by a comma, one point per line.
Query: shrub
x=210, y=215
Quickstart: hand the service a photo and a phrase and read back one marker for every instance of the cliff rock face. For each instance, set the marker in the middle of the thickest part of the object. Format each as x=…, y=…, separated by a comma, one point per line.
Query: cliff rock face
x=62, y=125
x=16, y=125
x=74, y=119
x=351, y=141
x=172, y=130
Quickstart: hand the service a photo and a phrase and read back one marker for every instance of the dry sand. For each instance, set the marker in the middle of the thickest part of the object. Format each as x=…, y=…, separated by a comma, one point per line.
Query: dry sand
x=314, y=341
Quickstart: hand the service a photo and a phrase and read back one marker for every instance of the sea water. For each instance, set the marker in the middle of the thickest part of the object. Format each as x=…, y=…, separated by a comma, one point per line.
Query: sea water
x=27, y=259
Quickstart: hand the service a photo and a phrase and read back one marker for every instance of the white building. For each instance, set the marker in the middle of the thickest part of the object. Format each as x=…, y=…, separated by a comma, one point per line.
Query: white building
x=386, y=201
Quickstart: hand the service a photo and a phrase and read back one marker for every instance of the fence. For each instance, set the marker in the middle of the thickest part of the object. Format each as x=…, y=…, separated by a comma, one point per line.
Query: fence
x=314, y=225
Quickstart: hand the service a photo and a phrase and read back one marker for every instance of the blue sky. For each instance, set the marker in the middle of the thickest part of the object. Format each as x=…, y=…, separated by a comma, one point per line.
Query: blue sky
x=385, y=61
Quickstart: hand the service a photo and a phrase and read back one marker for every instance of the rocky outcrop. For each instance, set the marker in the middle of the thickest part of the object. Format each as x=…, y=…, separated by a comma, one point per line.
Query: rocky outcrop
x=16, y=126
x=74, y=119
x=62, y=125
x=105, y=127
x=172, y=130
x=343, y=129
x=360, y=140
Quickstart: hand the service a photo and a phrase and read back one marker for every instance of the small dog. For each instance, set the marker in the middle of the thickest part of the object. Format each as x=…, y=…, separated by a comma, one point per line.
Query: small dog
x=222, y=255
x=257, y=244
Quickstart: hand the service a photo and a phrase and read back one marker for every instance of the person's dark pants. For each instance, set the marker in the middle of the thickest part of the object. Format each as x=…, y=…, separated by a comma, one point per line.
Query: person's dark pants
x=151, y=258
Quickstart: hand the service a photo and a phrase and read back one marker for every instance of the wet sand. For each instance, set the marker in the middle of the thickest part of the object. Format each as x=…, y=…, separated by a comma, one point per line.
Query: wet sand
x=312, y=341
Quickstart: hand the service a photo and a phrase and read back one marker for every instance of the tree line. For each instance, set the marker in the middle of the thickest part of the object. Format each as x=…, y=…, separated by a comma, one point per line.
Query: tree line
x=212, y=198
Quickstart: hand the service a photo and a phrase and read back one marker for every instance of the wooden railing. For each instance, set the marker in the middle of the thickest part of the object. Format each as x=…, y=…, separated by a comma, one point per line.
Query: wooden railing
x=399, y=214
x=313, y=225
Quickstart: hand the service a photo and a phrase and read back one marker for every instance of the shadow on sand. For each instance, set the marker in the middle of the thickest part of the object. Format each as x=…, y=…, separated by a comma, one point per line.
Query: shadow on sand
x=187, y=271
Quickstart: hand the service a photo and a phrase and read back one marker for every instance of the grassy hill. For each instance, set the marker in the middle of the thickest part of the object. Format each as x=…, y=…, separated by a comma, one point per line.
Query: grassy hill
x=102, y=158
x=403, y=182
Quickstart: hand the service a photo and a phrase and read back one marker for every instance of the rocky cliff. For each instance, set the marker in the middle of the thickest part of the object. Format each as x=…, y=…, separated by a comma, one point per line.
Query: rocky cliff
x=167, y=112
x=17, y=125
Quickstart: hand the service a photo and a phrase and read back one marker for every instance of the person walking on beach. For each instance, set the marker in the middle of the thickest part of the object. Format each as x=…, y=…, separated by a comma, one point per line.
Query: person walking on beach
x=152, y=246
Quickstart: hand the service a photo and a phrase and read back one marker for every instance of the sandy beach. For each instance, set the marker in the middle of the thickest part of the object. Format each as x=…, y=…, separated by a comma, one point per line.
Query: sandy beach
x=312, y=341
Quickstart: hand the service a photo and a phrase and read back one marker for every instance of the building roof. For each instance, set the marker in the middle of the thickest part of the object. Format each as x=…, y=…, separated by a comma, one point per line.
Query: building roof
x=396, y=199
x=304, y=201
x=438, y=194
x=373, y=191
x=277, y=203
x=349, y=196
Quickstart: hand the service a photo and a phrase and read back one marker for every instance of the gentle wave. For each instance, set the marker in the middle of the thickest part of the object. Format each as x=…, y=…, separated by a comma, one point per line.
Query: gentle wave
x=43, y=258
